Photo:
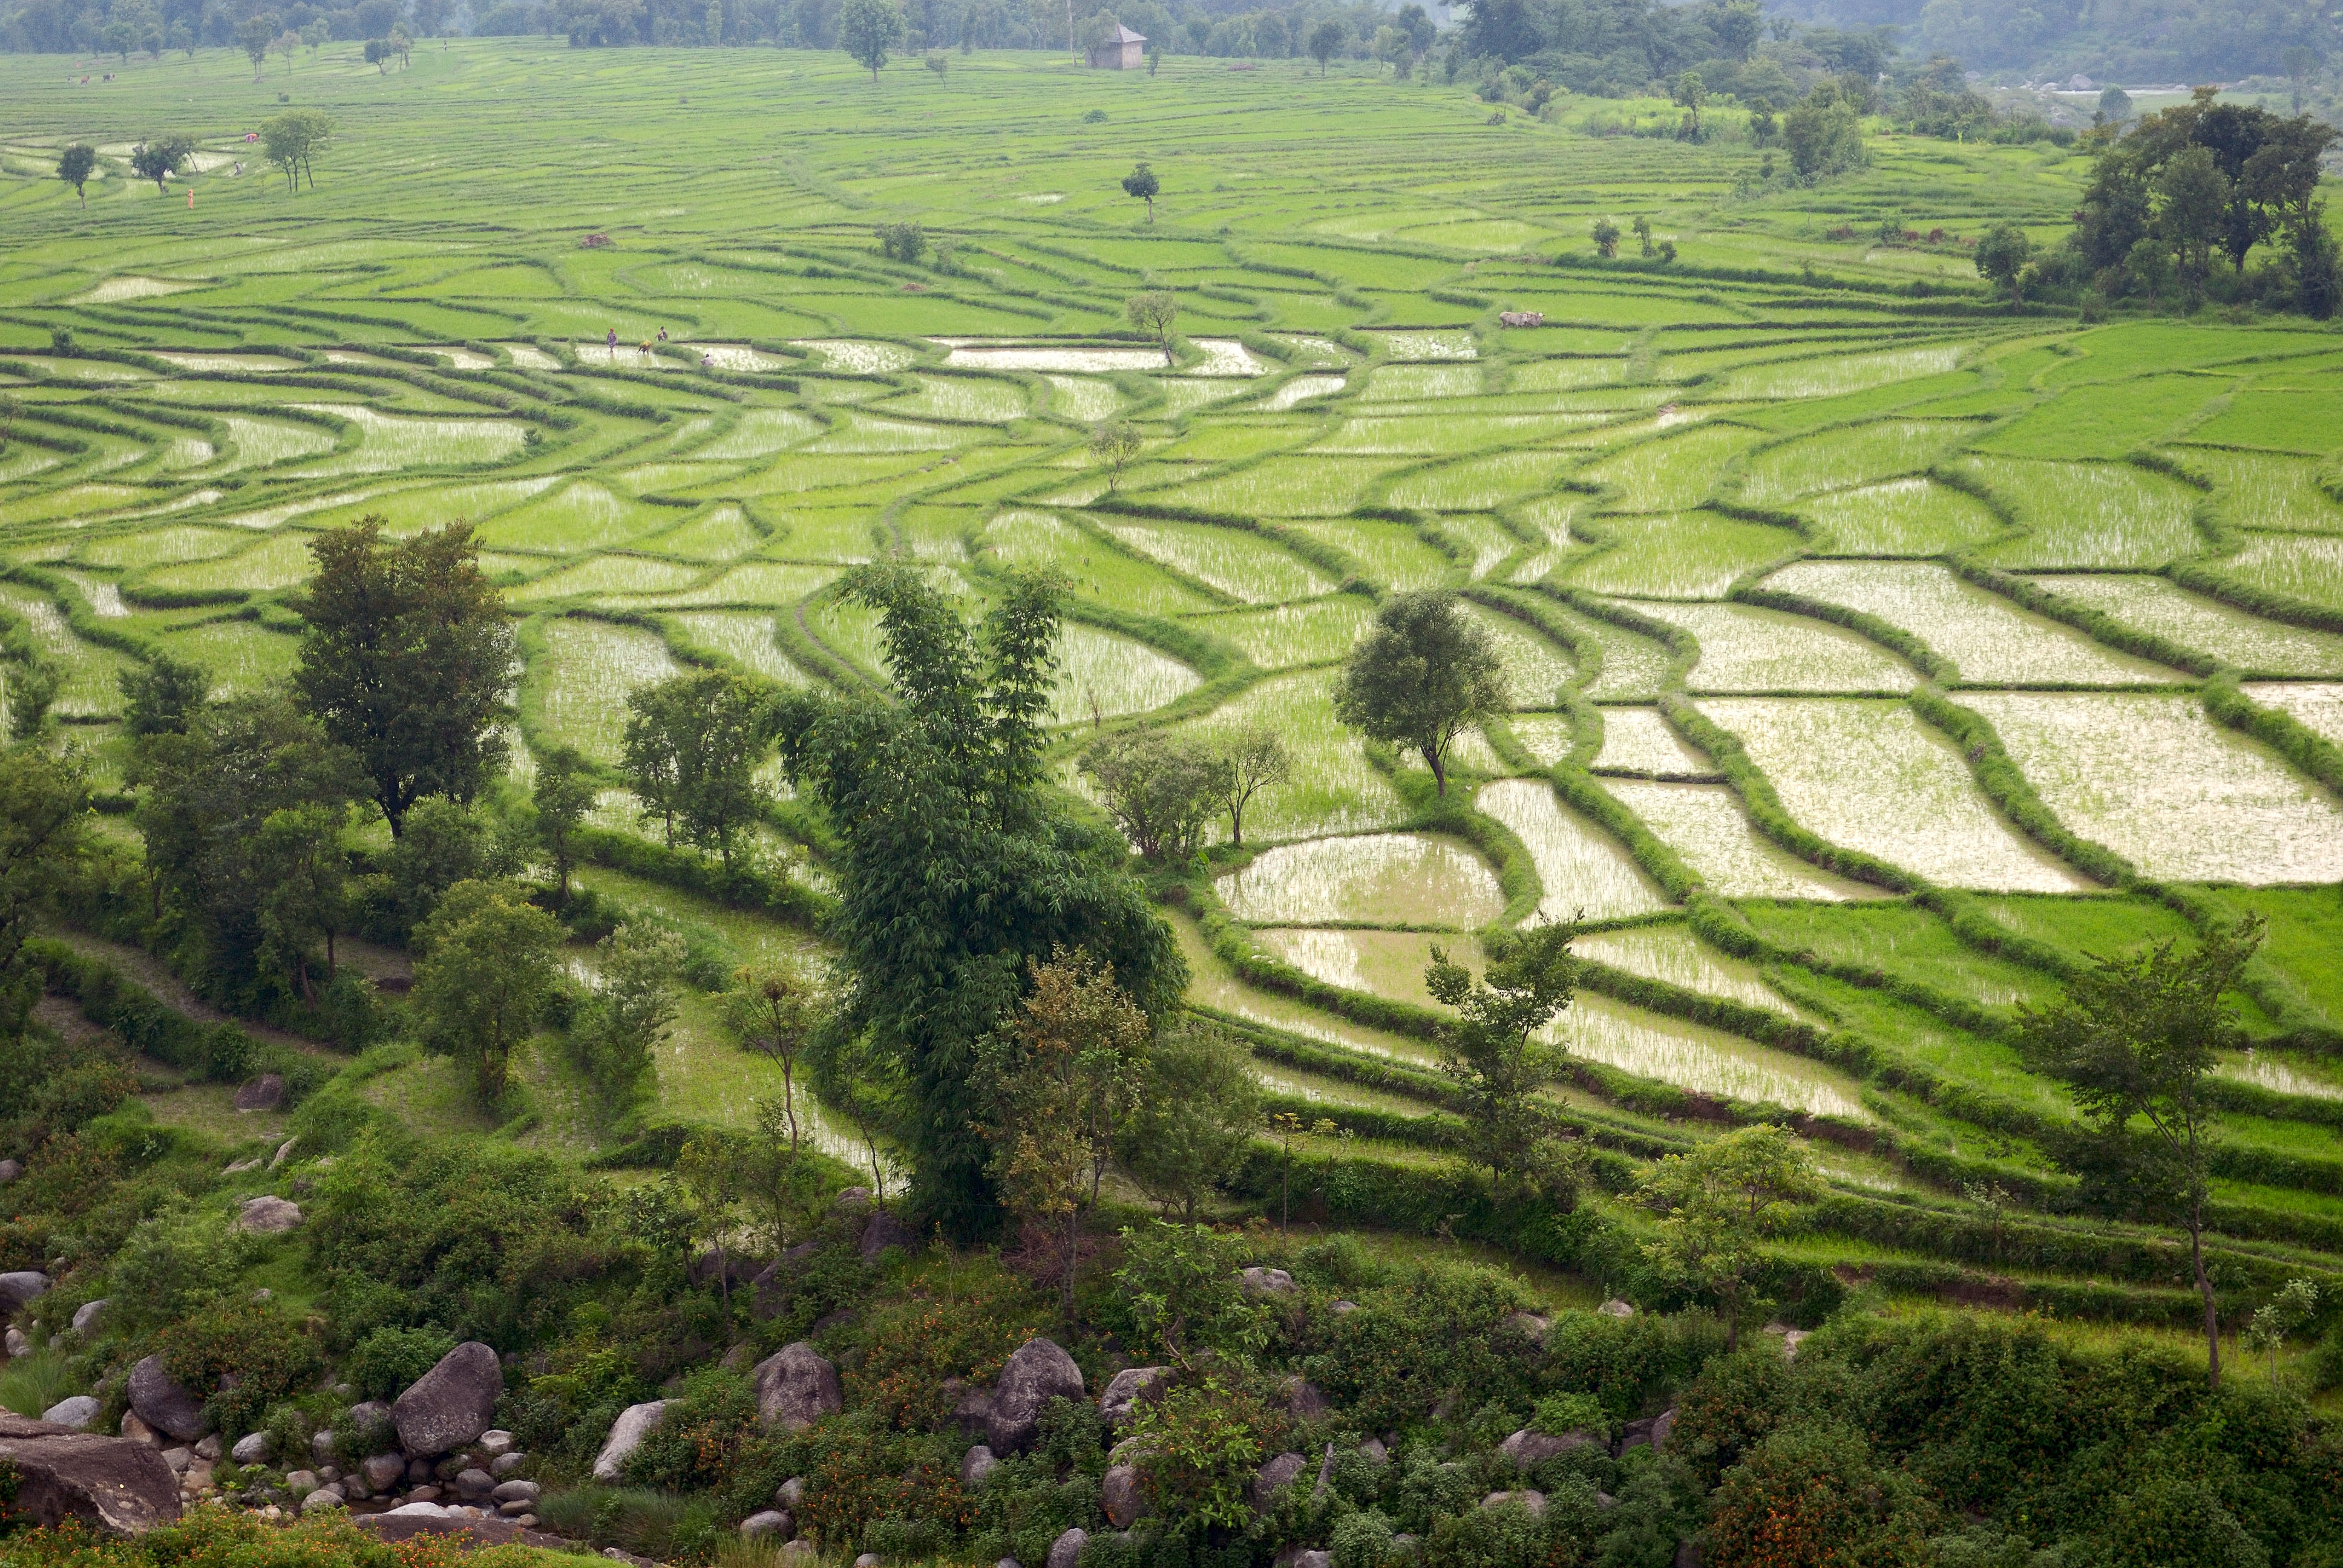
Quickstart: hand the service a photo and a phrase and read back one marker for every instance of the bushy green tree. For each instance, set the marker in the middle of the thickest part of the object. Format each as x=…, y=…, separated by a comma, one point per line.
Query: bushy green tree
x=161, y=696
x=74, y=165
x=1153, y=313
x=1326, y=41
x=1424, y=673
x=1160, y=788
x=1140, y=182
x=305, y=901
x=485, y=968
x=619, y=1032
x=1115, y=442
x=1824, y=132
x=1606, y=239
x=407, y=660
x=867, y=29
x=693, y=743
x=2002, y=255
x=957, y=868
x=158, y=158
x=1493, y=1054
x=563, y=794
x=2136, y=1040
x=1197, y=1106
x=43, y=826
x=446, y=842
x=1715, y=1205
x=293, y=140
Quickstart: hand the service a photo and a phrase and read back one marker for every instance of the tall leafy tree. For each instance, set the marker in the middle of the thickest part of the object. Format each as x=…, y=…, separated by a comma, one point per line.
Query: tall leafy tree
x=406, y=660
x=44, y=824
x=1493, y=1054
x=616, y=1039
x=158, y=158
x=1141, y=182
x=1154, y=314
x=305, y=876
x=1255, y=761
x=1326, y=41
x=162, y=696
x=957, y=870
x=1423, y=674
x=76, y=165
x=692, y=746
x=563, y=795
x=1160, y=788
x=1198, y=1107
x=1715, y=1204
x=867, y=29
x=485, y=966
x=2136, y=1040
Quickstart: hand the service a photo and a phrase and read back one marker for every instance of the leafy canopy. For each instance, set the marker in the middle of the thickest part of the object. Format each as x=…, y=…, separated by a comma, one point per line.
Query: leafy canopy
x=1422, y=674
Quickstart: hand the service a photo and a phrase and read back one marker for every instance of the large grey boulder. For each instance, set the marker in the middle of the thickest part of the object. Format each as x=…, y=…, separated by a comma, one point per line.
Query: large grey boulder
x=883, y=1230
x=265, y=1092
x=1039, y=1373
x=1303, y=1398
x=88, y=1312
x=1261, y=1282
x=796, y=1386
x=76, y=1413
x=255, y=1447
x=771, y=1522
x=269, y=1216
x=9, y=1170
x=382, y=1471
x=516, y=1491
x=109, y=1483
x=452, y=1403
x=1527, y=1448
x=1121, y=1496
x=1066, y=1551
x=324, y=1498
x=157, y=1400
x=626, y=1434
x=1532, y=1500
x=20, y=1288
x=1120, y=1401
x=976, y=1464
x=1278, y=1472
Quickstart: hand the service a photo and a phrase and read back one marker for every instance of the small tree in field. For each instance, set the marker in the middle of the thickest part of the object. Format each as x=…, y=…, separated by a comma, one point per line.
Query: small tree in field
x=1326, y=41
x=486, y=965
x=2137, y=1041
x=564, y=794
x=1159, y=788
x=1421, y=676
x=1254, y=758
x=1199, y=1103
x=2280, y=1316
x=158, y=158
x=1493, y=1054
x=285, y=44
x=1715, y=1204
x=939, y=63
x=867, y=29
x=1153, y=313
x=1606, y=239
x=2002, y=255
x=292, y=139
x=76, y=165
x=252, y=35
x=1141, y=182
x=1057, y=1082
x=1115, y=443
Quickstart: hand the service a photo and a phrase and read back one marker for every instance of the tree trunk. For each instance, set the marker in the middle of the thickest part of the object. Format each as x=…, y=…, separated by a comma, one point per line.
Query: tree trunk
x=1439, y=773
x=330, y=954
x=2205, y=1291
x=1073, y=1252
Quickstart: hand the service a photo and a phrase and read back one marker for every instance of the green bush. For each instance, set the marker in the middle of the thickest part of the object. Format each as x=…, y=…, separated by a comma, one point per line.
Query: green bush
x=1506, y=1536
x=241, y=1361
x=1809, y=1495
x=1360, y=1540
x=388, y=1360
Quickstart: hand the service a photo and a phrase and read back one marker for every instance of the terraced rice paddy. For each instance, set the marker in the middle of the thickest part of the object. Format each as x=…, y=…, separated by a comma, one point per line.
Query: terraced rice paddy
x=1337, y=422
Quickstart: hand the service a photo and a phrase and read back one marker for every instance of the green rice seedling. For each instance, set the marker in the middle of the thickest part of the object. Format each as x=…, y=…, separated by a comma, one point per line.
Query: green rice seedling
x=1705, y=826
x=776, y=584
x=2297, y=419
x=2317, y=706
x=2304, y=932
x=1388, y=964
x=1226, y=440
x=868, y=433
x=2089, y=423
x=1900, y=518
x=759, y=433
x=959, y=398
x=1991, y=1068
x=1688, y=555
x=2090, y=514
x=722, y=533
x=983, y=355
x=1332, y=787
x=1335, y=1094
x=1587, y=874
x=1427, y=345
x=1225, y=357
x=1243, y=565
x=2083, y=929
x=1368, y=878
x=1568, y=374
x=737, y=357
x=674, y=478
x=2130, y=349
x=72, y=506
x=1837, y=459
x=2266, y=490
x=1746, y=648
x=1488, y=542
x=1300, y=390
x=1639, y=740
x=745, y=636
x=90, y=690
x=1673, y=954
x=1671, y=474
x=2283, y=1074
x=1412, y=383
x=1318, y=631
x=2303, y=566
x=2158, y=782
x=1476, y=484
x=342, y=507
x=1278, y=488
x=1080, y=397
x=2245, y=642
x=390, y=442
x=1703, y=1060
x=212, y=364
x=609, y=577
x=575, y=693
x=1536, y=668
x=1390, y=553
x=1990, y=640
x=1023, y=538
x=1211, y=984
x=1546, y=736
x=242, y=656
x=1833, y=376
x=580, y=515
x=1102, y=675
x=279, y=562
x=160, y=545
x=1871, y=777
x=858, y=358
x=1906, y=941
x=410, y=511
